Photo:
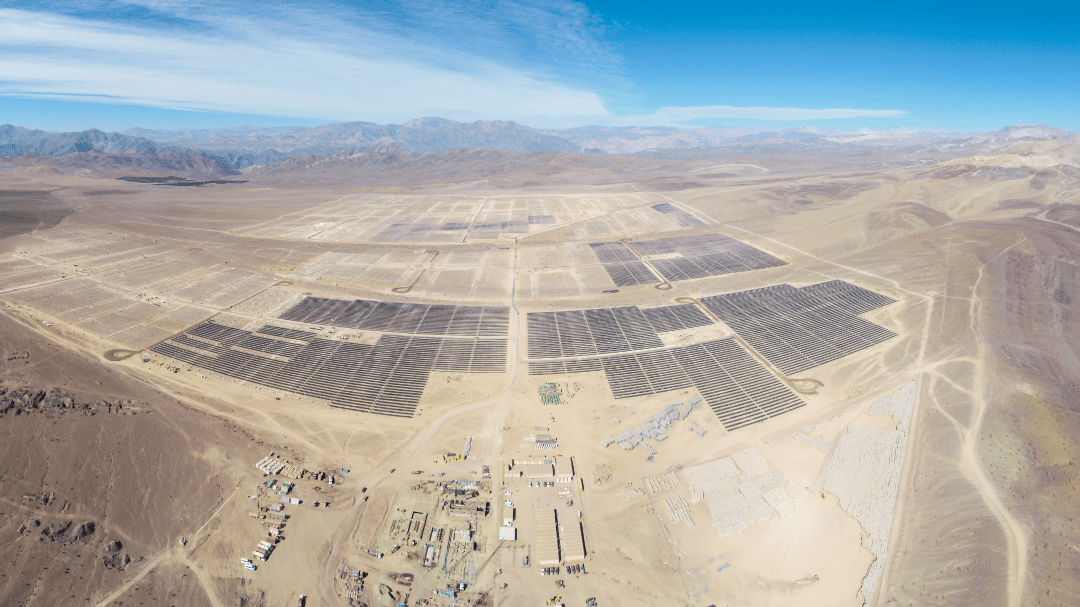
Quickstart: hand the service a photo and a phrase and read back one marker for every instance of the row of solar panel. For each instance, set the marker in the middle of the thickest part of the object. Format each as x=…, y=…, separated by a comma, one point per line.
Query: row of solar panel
x=386, y=378
x=700, y=256
x=794, y=329
x=798, y=329
x=738, y=389
x=630, y=274
x=396, y=317
x=606, y=330
x=681, y=217
x=715, y=264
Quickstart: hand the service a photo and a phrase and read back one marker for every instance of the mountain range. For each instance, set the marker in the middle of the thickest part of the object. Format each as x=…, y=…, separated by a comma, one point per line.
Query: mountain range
x=249, y=147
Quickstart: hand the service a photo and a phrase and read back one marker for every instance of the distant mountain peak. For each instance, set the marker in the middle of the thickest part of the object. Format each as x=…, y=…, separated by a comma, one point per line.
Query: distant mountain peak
x=428, y=122
x=247, y=146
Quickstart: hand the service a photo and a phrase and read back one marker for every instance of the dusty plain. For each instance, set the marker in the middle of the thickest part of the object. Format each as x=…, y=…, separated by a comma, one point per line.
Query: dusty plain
x=127, y=476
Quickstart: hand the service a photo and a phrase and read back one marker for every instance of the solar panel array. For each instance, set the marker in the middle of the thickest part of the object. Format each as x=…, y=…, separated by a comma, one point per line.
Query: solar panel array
x=705, y=255
x=794, y=329
x=386, y=378
x=561, y=367
x=644, y=373
x=747, y=395
x=622, y=265
x=415, y=229
x=676, y=318
x=851, y=298
x=630, y=274
x=678, y=215
x=541, y=219
x=798, y=329
x=609, y=252
x=395, y=317
x=494, y=229
x=697, y=256
x=575, y=333
x=739, y=390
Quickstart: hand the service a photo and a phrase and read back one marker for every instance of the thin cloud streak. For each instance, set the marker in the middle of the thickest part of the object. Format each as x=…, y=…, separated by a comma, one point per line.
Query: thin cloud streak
x=266, y=72
x=683, y=115
x=299, y=62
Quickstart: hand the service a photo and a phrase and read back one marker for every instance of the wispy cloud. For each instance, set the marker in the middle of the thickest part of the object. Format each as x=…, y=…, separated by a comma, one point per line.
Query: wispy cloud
x=504, y=59
x=680, y=116
x=307, y=65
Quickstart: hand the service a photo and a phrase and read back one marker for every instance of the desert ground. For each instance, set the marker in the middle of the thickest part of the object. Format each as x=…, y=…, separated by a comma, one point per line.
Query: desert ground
x=736, y=381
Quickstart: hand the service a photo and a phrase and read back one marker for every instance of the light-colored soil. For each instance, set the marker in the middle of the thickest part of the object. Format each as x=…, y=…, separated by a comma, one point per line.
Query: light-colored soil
x=980, y=261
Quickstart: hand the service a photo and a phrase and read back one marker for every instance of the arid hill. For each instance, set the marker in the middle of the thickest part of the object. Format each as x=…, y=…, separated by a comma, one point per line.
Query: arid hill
x=103, y=164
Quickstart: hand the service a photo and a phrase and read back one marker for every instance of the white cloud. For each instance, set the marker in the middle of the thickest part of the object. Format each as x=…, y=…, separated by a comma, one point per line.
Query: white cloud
x=324, y=62
x=677, y=115
x=261, y=69
x=686, y=116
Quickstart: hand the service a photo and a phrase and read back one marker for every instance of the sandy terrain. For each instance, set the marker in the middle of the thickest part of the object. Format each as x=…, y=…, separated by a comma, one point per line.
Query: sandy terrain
x=955, y=492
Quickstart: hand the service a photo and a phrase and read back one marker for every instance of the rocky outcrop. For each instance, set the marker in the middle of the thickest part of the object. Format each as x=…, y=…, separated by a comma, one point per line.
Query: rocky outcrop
x=56, y=402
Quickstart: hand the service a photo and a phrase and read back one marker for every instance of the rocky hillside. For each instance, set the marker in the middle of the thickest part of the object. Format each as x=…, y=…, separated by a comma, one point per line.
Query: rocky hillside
x=248, y=146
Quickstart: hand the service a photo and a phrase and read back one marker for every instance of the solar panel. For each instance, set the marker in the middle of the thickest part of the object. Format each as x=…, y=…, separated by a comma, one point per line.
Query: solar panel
x=395, y=317
x=799, y=329
x=697, y=256
x=387, y=378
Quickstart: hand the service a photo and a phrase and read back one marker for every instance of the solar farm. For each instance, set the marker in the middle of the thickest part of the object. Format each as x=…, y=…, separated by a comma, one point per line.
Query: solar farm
x=797, y=329
x=820, y=319
x=181, y=302
x=386, y=378
x=797, y=367
x=557, y=337
x=394, y=317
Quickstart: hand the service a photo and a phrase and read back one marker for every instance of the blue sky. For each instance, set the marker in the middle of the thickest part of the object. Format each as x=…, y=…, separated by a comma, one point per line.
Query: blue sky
x=167, y=64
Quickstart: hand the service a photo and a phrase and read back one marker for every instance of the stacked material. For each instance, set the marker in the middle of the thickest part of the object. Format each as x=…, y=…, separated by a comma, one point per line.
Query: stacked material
x=864, y=473
x=663, y=482
x=690, y=406
x=740, y=490
x=678, y=510
x=898, y=404
x=549, y=393
x=270, y=465
x=655, y=427
x=803, y=436
x=627, y=492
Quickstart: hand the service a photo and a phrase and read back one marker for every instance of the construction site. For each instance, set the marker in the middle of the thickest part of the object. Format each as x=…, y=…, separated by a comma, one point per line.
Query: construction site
x=569, y=391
